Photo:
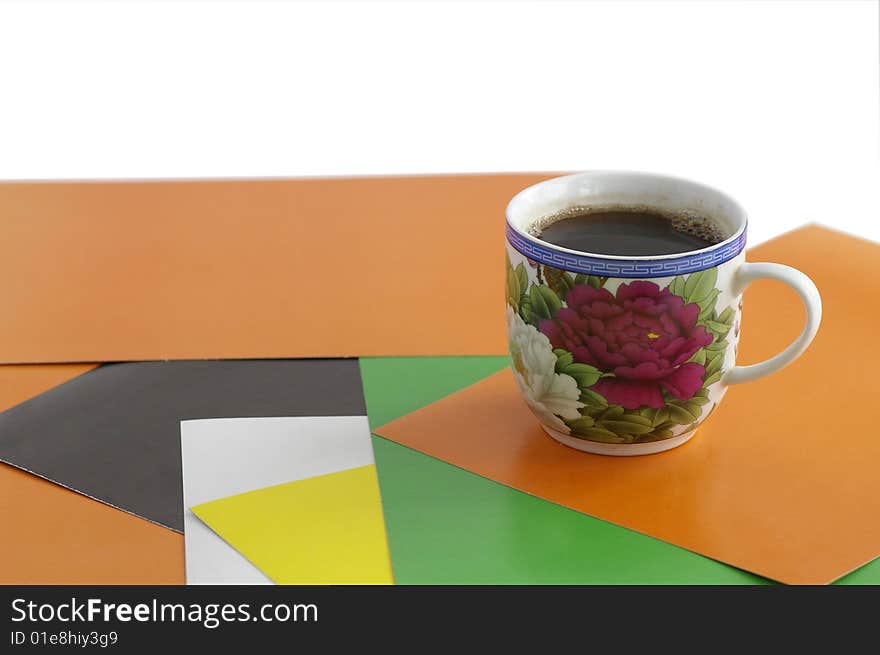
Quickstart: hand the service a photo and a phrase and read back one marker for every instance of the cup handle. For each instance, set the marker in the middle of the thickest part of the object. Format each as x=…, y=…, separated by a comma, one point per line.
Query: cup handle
x=809, y=294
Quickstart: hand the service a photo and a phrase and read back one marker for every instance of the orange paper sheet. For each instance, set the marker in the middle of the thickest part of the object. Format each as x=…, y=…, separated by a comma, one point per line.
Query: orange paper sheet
x=55, y=536
x=781, y=481
x=253, y=269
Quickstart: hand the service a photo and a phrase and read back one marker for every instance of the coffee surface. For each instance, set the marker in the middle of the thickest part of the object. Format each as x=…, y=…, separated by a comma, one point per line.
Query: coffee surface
x=627, y=231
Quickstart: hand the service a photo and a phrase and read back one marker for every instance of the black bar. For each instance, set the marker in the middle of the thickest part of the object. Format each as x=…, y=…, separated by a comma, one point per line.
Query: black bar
x=331, y=618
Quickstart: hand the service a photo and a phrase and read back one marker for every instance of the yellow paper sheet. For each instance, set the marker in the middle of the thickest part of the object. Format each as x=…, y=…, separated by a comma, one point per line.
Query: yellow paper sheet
x=323, y=530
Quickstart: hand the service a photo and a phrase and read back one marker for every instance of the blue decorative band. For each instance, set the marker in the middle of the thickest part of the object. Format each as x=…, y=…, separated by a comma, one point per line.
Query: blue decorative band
x=623, y=267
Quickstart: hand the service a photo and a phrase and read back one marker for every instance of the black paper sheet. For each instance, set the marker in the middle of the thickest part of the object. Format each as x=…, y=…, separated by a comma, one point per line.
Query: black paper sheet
x=113, y=433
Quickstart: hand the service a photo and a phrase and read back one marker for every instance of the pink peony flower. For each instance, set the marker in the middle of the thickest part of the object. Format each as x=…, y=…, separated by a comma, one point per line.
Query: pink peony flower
x=643, y=335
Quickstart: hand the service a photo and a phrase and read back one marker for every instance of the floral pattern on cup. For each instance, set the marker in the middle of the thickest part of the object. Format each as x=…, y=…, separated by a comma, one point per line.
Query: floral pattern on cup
x=632, y=366
x=552, y=396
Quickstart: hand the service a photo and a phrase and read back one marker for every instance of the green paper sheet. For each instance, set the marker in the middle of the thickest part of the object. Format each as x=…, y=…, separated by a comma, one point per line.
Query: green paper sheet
x=394, y=386
x=448, y=526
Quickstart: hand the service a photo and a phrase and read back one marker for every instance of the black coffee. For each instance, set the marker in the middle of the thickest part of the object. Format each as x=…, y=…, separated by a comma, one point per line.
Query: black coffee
x=627, y=231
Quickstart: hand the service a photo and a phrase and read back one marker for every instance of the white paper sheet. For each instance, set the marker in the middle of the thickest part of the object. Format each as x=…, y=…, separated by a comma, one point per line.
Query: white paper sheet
x=223, y=457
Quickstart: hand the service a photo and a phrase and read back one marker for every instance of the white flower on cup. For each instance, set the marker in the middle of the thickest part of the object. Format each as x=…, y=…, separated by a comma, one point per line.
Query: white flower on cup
x=548, y=393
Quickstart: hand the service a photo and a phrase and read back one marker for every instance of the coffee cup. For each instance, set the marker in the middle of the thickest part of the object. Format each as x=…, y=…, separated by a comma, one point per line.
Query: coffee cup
x=629, y=355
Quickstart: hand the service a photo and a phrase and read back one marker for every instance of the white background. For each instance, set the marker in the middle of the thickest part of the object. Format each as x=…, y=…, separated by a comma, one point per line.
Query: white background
x=776, y=102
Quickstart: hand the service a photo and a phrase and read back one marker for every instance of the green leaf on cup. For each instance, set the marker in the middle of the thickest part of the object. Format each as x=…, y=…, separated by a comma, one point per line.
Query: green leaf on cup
x=552, y=300
x=715, y=363
x=679, y=415
x=699, y=357
x=726, y=317
x=592, y=280
x=712, y=379
x=513, y=292
x=707, y=304
x=699, y=400
x=593, y=411
x=537, y=303
x=661, y=417
x=719, y=328
x=581, y=423
x=584, y=374
x=657, y=435
x=590, y=397
x=525, y=310
x=625, y=427
x=677, y=286
x=700, y=284
x=635, y=418
x=599, y=434
x=558, y=281
x=692, y=407
x=613, y=411
x=521, y=275
x=563, y=359
x=545, y=303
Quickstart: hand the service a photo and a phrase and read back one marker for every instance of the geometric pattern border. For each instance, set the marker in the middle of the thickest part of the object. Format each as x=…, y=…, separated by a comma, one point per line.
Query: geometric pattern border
x=626, y=268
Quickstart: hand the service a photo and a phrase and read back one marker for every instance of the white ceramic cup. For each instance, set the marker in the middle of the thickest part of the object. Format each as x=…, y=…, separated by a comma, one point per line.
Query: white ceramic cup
x=622, y=355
